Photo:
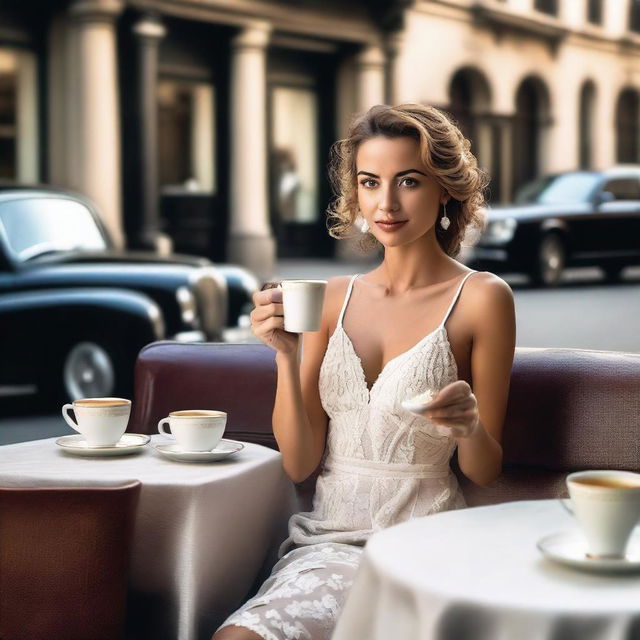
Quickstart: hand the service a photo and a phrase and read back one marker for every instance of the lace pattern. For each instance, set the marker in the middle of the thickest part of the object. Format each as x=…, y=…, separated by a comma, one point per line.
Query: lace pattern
x=303, y=596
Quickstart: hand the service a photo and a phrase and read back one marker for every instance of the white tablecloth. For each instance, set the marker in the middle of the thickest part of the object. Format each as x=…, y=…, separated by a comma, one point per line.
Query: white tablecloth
x=202, y=532
x=476, y=574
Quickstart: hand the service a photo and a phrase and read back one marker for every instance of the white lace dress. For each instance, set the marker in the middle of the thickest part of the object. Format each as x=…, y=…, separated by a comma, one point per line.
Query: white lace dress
x=382, y=465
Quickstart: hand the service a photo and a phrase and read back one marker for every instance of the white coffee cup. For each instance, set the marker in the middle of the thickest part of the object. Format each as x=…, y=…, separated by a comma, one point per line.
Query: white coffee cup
x=195, y=429
x=606, y=505
x=302, y=301
x=102, y=421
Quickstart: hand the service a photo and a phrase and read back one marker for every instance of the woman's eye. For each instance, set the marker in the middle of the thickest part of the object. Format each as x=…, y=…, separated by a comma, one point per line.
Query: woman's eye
x=409, y=182
x=368, y=182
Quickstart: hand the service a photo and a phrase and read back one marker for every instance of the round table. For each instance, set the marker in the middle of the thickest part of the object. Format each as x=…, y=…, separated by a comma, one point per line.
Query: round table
x=476, y=574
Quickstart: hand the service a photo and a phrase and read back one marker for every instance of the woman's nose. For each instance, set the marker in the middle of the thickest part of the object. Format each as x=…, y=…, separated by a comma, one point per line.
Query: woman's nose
x=388, y=200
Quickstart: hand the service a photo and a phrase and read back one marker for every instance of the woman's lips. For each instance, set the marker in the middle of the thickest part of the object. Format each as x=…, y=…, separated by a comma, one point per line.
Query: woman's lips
x=391, y=226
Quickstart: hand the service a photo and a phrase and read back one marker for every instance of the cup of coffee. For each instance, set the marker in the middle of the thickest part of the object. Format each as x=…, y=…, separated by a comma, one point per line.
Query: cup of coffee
x=195, y=429
x=102, y=421
x=606, y=505
x=302, y=301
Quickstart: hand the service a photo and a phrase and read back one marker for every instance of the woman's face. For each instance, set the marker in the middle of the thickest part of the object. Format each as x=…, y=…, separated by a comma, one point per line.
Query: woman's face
x=395, y=195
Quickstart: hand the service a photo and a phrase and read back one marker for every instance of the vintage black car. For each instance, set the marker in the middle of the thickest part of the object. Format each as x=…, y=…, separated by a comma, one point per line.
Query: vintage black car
x=577, y=218
x=75, y=311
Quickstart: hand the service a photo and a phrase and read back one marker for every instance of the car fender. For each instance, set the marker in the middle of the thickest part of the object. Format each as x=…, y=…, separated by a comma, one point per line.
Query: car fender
x=73, y=306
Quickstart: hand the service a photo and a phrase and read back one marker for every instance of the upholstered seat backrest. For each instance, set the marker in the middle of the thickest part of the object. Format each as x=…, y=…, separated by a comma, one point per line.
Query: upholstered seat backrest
x=237, y=378
x=568, y=409
x=64, y=561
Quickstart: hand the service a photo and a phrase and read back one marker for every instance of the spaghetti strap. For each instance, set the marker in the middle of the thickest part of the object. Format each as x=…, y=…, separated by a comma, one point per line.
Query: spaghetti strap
x=455, y=298
x=346, y=299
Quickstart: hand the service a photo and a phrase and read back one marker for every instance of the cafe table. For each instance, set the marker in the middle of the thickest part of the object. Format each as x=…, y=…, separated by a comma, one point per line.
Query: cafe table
x=203, y=531
x=477, y=574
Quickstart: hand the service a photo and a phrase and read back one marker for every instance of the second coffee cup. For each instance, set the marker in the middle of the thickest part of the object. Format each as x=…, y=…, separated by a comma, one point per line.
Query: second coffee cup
x=196, y=429
x=606, y=505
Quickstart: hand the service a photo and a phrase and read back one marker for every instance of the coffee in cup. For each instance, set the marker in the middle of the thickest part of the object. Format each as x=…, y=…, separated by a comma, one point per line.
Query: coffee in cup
x=606, y=505
x=102, y=421
x=195, y=429
x=302, y=301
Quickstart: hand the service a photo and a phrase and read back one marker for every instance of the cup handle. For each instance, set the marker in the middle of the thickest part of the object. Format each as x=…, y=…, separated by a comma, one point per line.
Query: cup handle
x=161, y=426
x=67, y=418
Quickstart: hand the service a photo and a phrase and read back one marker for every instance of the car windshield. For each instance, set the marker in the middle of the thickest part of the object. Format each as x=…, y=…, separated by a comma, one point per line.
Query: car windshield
x=36, y=226
x=559, y=189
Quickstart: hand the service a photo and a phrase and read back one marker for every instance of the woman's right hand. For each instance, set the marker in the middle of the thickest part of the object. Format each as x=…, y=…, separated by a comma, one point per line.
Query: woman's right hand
x=267, y=322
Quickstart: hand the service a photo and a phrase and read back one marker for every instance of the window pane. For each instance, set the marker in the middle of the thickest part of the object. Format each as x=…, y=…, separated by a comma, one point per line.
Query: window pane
x=624, y=188
x=186, y=136
x=40, y=225
x=294, y=133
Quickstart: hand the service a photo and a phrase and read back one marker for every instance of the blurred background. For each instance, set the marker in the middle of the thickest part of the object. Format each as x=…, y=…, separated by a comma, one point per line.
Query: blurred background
x=204, y=128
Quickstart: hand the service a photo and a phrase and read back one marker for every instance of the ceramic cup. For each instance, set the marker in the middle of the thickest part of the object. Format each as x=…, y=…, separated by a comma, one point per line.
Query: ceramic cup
x=606, y=505
x=195, y=429
x=302, y=301
x=102, y=421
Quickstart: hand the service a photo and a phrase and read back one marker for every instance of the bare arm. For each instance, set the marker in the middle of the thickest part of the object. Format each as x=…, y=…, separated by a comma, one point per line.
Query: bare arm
x=299, y=421
x=480, y=454
x=476, y=418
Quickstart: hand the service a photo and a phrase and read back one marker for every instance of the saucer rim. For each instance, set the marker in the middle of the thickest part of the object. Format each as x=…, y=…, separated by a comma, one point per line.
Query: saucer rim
x=164, y=449
x=66, y=442
x=240, y=446
x=618, y=565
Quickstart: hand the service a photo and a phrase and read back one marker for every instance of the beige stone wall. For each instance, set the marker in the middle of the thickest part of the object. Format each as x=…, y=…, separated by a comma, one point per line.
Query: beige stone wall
x=442, y=37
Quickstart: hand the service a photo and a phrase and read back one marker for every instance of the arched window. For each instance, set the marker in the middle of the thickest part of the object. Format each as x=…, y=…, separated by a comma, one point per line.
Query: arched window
x=594, y=11
x=634, y=15
x=547, y=6
x=627, y=114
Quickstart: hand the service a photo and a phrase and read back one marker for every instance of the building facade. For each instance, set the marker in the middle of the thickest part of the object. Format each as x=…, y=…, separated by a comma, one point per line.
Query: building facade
x=209, y=121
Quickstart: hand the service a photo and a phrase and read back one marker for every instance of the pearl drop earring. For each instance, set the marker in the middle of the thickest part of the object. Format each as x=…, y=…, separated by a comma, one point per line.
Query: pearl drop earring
x=364, y=226
x=444, y=221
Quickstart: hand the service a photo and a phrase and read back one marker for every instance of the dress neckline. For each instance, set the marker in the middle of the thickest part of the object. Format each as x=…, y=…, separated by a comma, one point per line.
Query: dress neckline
x=440, y=328
x=387, y=364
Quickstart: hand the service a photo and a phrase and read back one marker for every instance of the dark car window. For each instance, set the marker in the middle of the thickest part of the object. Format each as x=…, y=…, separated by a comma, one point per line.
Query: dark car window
x=624, y=188
x=40, y=225
x=559, y=189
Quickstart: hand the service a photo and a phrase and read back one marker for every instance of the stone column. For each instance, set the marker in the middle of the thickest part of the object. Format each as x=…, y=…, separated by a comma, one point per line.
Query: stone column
x=371, y=63
x=98, y=115
x=27, y=119
x=251, y=241
x=394, y=42
x=148, y=31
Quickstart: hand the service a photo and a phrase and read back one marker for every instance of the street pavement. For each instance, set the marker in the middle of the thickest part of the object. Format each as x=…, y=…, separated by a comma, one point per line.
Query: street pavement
x=583, y=313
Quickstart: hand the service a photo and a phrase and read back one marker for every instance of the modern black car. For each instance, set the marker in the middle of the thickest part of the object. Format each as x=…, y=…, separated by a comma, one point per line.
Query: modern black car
x=576, y=218
x=75, y=311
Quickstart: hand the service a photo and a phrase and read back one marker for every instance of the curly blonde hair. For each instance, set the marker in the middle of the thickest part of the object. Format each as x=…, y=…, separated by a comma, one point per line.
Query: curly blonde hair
x=445, y=153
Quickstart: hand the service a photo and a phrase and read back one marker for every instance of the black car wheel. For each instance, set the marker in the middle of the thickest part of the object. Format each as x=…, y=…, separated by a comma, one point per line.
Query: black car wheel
x=551, y=260
x=88, y=371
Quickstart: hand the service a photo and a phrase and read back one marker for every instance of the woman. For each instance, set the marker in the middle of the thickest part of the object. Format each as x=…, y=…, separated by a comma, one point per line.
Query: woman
x=419, y=321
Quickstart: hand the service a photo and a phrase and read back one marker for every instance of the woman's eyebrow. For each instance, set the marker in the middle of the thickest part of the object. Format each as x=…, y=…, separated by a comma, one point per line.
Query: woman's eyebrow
x=398, y=175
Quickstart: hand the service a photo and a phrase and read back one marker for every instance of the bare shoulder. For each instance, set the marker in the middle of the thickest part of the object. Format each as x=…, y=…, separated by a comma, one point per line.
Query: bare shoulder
x=487, y=287
x=489, y=298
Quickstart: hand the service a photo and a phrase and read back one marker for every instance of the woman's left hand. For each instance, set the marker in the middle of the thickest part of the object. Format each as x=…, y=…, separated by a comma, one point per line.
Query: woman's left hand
x=455, y=408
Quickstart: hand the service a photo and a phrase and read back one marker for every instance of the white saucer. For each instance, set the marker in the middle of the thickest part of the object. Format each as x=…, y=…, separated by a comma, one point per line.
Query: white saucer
x=129, y=443
x=570, y=549
x=414, y=407
x=224, y=449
